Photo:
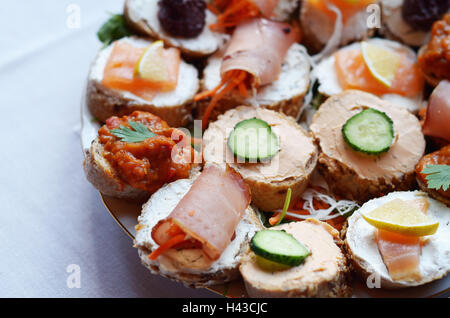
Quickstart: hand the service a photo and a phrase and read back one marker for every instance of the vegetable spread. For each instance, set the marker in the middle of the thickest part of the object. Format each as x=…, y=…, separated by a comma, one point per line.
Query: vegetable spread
x=149, y=162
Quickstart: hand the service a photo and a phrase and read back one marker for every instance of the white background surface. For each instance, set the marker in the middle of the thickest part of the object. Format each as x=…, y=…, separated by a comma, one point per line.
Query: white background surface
x=50, y=215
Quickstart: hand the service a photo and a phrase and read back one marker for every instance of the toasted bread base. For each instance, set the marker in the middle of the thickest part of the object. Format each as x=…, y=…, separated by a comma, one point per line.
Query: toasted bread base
x=337, y=285
x=104, y=103
x=345, y=182
x=104, y=178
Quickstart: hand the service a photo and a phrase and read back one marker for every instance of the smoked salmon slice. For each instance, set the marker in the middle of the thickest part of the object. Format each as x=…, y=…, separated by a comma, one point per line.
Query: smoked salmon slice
x=119, y=72
x=209, y=212
x=353, y=73
x=401, y=253
x=347, y=8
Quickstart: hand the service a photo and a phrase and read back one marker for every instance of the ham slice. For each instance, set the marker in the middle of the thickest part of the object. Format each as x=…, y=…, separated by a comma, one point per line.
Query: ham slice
x=266, y=7
x=210, y=211
x=401, y=253
x=438, y=112
x=259, y=47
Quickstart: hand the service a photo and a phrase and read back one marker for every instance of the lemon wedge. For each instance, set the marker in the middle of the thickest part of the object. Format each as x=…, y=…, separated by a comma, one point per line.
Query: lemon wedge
x=400, y=217
x=382, y=62
x=151, y=65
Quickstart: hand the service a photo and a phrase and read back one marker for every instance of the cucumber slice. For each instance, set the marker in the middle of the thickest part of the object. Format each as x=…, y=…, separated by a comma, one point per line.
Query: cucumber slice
x=279, y=247
x=253, y=140
x=370, y=131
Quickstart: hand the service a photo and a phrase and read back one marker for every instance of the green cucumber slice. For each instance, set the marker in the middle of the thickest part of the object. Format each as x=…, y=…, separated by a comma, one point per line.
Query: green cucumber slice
x=370, y=131
x=279, y=247
x=253, y=140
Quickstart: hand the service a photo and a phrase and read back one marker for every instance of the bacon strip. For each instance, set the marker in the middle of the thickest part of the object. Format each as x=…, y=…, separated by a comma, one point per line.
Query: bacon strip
x=259, y=47
x=210, y=211
x=437, y=121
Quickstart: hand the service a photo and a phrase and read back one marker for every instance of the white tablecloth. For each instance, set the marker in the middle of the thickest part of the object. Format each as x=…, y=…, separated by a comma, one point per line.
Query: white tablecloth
x=51, y=217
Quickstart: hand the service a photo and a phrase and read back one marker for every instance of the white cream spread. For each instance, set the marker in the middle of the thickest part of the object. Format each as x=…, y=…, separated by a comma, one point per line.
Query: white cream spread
x=207, y=42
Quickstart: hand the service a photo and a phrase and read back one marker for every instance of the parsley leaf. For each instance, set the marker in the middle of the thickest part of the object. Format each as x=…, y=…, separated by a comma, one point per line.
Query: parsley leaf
x=139, y=133
x=113, y=29
x=437, y=176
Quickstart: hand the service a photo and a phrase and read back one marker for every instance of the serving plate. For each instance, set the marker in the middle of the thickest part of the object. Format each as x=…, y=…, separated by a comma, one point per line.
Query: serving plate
x=125, y=214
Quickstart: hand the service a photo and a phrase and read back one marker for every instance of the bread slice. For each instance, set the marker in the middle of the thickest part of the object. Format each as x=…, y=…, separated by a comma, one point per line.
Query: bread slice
x=269, y=181
x=362, y=250
x=284, y=95
x=105, y=179
x=324, y=273
x=186, y=266
x=174, y=107
x=357, y=176
x=142, y=16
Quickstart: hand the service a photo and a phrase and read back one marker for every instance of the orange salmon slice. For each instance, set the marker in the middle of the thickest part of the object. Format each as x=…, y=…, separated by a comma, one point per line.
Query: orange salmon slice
x=119, y=72
x=401, y=253
x=353, y=73
x=347, y=7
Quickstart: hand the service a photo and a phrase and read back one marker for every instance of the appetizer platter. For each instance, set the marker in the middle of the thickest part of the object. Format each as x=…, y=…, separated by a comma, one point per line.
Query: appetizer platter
x=277, y=148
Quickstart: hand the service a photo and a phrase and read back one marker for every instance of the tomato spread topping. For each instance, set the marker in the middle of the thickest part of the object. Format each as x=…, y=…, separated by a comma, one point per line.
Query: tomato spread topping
x=435, y=60
x=152, y=162
x=440, y=157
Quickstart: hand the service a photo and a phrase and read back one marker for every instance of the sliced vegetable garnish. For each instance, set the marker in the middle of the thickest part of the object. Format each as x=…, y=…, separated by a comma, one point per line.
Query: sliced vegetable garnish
x=382, y=62
x=140, y=132
x=152, y=66
x=438, y=176
x=400, y=217
x=287, y=201
x=278, y=246
x=370, y=131
x=164, y=247
x=253, y=140
x=113, y=29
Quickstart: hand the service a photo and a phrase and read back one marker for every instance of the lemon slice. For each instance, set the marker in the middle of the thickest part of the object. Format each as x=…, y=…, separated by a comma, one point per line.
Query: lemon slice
x=400, y=217
x=382, y=62
x=151, y=65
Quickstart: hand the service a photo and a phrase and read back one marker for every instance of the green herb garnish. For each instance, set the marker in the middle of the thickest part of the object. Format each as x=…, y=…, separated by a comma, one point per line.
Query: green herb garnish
x=438, y=176
x=287, y=201
x=140, y=132
x=113, y=29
